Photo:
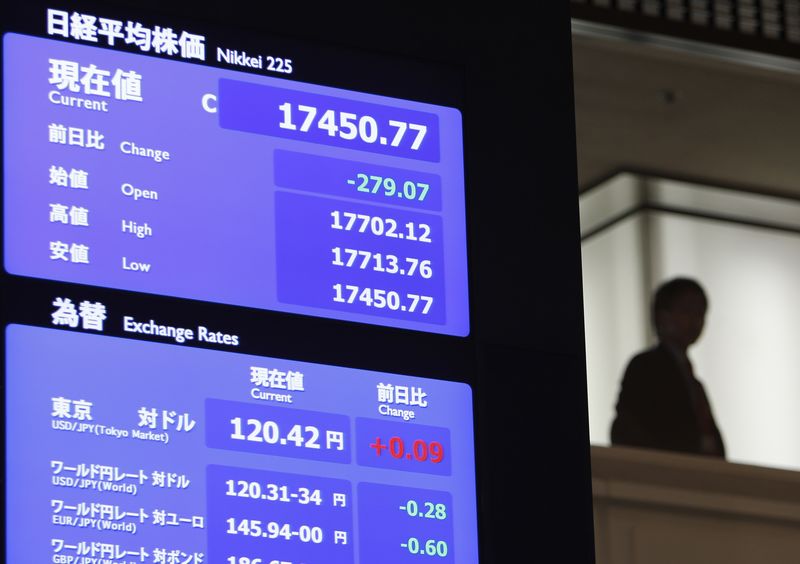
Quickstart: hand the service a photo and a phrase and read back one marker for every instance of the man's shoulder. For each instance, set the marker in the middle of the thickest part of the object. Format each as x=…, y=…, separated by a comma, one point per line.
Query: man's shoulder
x=655, y=353
x=653, y=361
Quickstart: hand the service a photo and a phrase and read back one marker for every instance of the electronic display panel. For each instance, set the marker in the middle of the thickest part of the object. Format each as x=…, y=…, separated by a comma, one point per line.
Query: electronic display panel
x=137, y=167
x=266, y=290
x=141, y=169
x=170, y=177
x=148, y=451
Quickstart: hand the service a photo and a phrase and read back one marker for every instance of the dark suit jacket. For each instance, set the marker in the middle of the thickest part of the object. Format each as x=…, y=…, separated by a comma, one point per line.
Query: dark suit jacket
x=655, y=409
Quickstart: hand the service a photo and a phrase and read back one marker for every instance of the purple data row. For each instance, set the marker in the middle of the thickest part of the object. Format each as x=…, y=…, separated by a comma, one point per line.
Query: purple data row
x=398, y=446
x=328, y=120
x=313, y=435
x=358, y=180
x=266, y=429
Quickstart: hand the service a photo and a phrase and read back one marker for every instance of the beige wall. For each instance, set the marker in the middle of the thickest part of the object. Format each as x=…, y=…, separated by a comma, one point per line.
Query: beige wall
x=615, y=316
x=748, y=356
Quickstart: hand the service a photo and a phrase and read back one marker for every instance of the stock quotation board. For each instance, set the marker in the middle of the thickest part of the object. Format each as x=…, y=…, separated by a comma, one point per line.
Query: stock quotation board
x=167, y=177
x=162, y=165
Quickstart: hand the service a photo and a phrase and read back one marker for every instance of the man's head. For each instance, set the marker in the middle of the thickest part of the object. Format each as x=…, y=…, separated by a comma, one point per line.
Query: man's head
x=679, y=310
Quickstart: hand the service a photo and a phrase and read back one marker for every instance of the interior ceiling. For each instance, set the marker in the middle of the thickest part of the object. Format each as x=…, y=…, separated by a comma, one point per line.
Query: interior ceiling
x=649, y=108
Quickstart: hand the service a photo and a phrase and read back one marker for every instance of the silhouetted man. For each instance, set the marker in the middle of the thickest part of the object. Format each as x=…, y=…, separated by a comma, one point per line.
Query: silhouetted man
x=661, y=404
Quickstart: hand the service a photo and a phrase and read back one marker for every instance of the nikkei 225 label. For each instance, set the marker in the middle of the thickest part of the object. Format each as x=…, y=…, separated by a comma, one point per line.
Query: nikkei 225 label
x=165, y=177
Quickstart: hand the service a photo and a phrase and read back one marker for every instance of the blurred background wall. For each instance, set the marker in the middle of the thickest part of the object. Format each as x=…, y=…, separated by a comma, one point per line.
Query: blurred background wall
x=745, y=248
x=688, y=142
x=688, y=136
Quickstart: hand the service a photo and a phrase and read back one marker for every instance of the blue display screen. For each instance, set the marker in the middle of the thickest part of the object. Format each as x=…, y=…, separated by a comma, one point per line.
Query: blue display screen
x=133, y=451
x=166, y=197
x=169, y=177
